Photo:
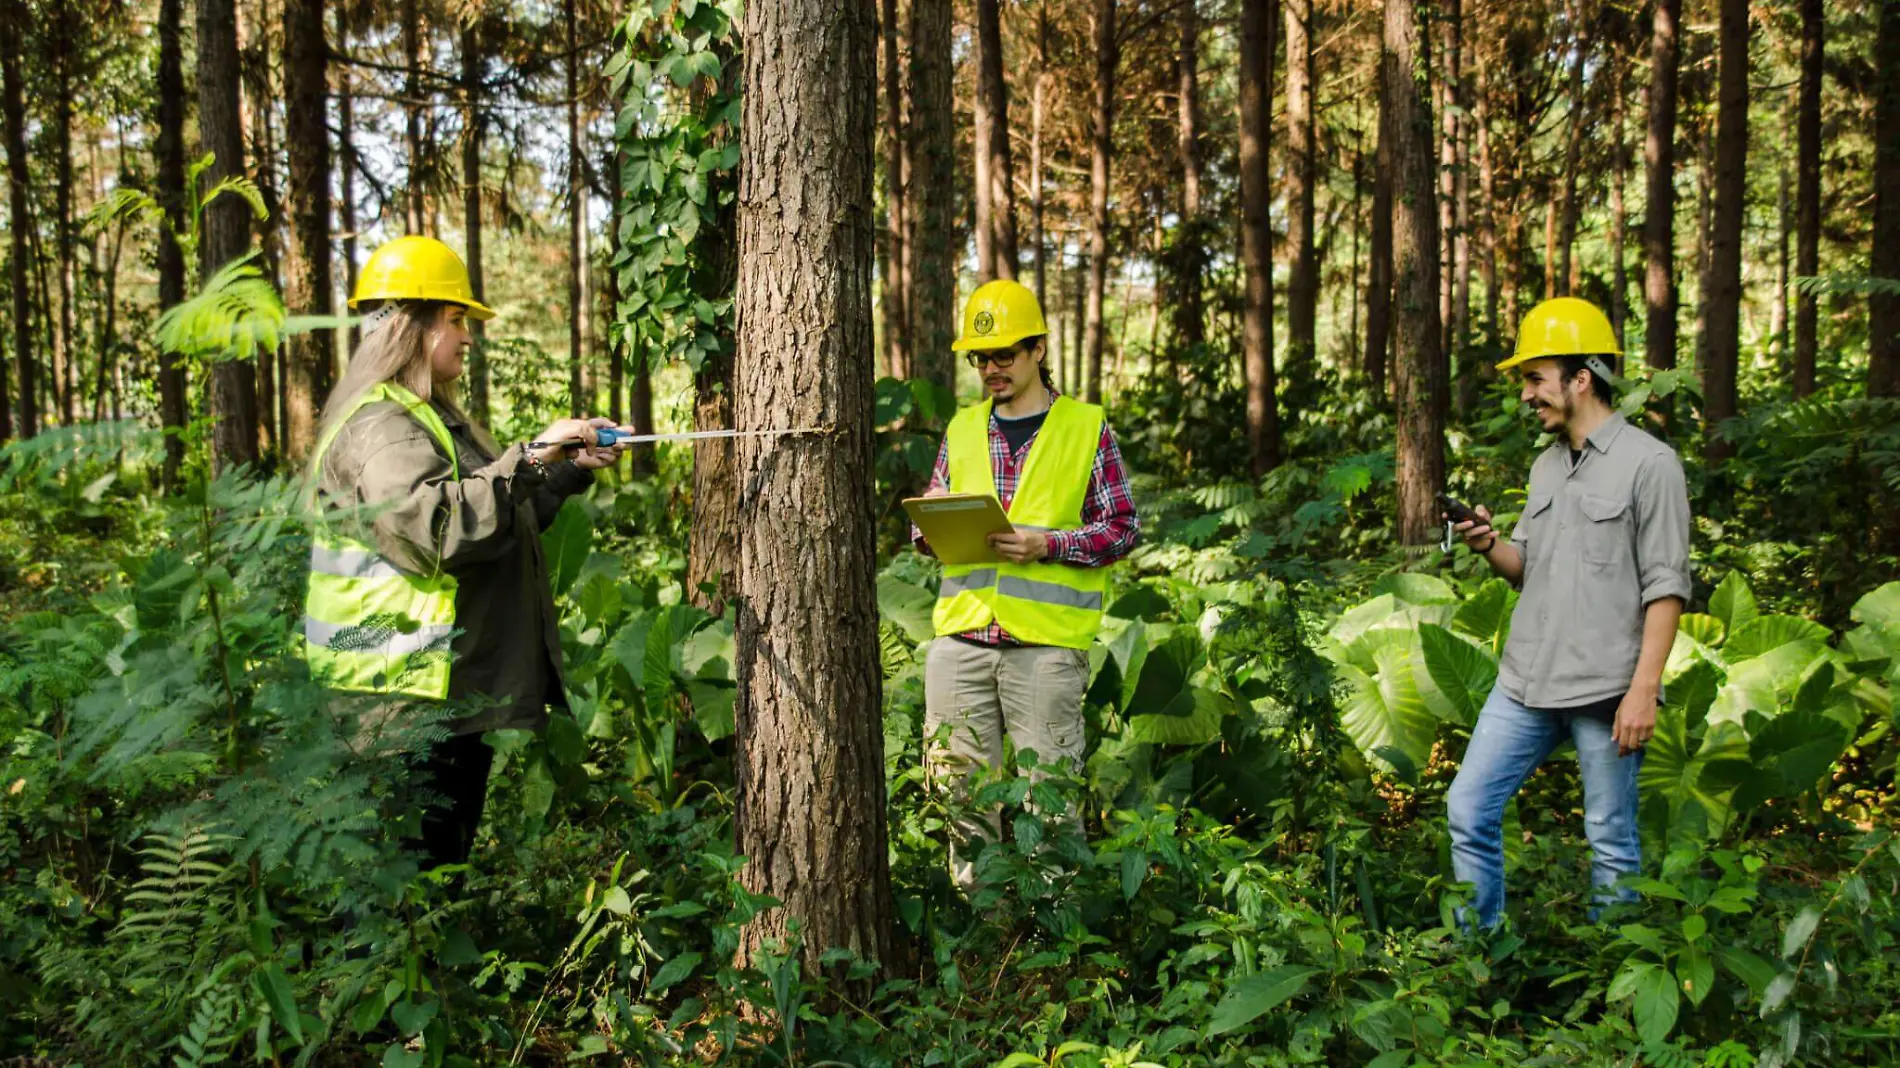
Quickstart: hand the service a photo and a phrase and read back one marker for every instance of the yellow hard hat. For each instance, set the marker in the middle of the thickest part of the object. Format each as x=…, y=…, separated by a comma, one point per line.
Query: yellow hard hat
x=1000, y=314
x=418, y=268
x=1564, y=326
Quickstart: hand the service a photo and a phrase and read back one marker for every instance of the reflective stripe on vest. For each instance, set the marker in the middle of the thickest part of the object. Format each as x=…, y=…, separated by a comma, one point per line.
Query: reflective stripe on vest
x=369, y=626
x=1042, y=603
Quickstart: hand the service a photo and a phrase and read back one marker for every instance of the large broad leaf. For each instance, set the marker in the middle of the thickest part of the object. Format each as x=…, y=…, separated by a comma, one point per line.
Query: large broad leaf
x=1680, y=803
x=566, y=544
x=1259, y=993
x=1385, y=707
x=1352, y=641
x=1460, y=674
x=908, y=606
x=1486, y=616
x=1733, y=602
x=1880, y=608
x=1705, y=629
x=1199, y=726
x=1796, y=751
x=1414, y=588
x=1765, y=633
x=1161, y=687
x=1762, y=684
x=1658, y=1000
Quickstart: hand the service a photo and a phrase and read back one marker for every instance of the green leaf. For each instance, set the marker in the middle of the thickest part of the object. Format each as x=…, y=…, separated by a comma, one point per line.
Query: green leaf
x=1764, y=633
x=411, y=1017
x=1705, y=629
x=565, y=743
x=1645, y=937
x=1881, y=608
x=274, y=985
x=1246, y=1000
x=1388, y=708
x=673, y=971
x=1696, y=971
x=537, y=789
x=395, y=1055
x=1199, y=726
x=1486, y=616
x=1733, y=602
x=1134, y=872
x=909, y=606
x=1762, y=683
x=713, y=707
x=1461, y=674
x=1795, y=939
x=368, y=1012
x=566, y=544
x=1754, y=972
x=1658, y=1001
x=1416, y=588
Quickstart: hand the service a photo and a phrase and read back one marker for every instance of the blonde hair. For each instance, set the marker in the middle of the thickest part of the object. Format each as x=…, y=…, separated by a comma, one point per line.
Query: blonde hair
x=398, y=352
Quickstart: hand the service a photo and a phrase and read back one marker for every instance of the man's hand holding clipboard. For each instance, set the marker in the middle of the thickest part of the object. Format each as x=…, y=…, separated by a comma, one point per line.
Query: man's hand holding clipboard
x=968, y=528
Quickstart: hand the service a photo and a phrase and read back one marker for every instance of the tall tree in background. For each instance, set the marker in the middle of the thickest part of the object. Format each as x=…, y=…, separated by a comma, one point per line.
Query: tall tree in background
x=172, y=405
x=472, y=62
x=895, y=282
x=347, y=164
x=712, y=559
x=1722, y=303
x=1457, y=285
x=65, y=350
x=13, y=18
x=1302, y=176
x=931, y=196
x=1101, y=148
x=1256, y=233
x=1565, y=268
x=1190, y=253
x=1419, y=379
x=1619, y=219
x=412, y=109
x=1807, y=197
x=1488, y=192
x=810, y=811
x=226, y=233
x=1883, y=306
x=1659, y=211
x=577, y=400
x=995, y=175
x=1379, y=271
x=307, y=144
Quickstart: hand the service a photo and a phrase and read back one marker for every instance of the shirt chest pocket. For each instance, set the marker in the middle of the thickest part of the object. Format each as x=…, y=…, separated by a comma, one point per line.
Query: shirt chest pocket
x=1605, y=534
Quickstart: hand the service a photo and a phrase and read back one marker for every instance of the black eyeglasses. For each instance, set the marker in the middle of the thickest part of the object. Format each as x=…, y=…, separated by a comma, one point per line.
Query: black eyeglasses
x=1001, y=359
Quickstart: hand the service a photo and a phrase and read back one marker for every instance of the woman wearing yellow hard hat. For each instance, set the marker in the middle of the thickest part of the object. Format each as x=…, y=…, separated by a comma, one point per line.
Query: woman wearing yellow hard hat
x=427, y=582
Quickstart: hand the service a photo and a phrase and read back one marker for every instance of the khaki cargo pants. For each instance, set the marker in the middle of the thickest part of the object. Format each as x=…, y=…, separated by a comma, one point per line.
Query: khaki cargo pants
x=1034, y=692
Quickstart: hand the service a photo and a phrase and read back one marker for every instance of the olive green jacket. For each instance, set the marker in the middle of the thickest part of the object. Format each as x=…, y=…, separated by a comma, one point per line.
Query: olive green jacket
x=483, y=529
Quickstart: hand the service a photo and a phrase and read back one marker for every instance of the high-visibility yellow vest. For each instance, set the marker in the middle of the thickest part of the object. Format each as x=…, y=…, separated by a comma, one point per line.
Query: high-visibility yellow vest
x=369, y=626
x=1043, y=603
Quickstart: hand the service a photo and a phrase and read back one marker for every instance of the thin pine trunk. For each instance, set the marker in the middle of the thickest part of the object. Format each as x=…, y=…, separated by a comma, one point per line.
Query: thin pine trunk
x=894, y=284
x=577, y=399
x=1379, y=271
x=1566, y=269
x=996, y=184
x=1036, y=115
x=1102, y=125
x=226, y=233
x=65, y=355
x=346, y=183
x=472, y=129
x=13, y=18
x=930, y=195
x=1488, y=192
x=1459, y=327
x=1659, y=208
x=1619, y=221
x=412, y=106
x=1883, y=309
x=1724, y=299
x=307, y=144
x=1256, y=233
x=1190, y=255
x=1807, y=256
x=1420, y=378
x=1302, y=310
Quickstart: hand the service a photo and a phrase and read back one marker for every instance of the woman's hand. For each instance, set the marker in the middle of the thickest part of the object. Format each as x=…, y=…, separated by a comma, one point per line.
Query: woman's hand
x=575, y=440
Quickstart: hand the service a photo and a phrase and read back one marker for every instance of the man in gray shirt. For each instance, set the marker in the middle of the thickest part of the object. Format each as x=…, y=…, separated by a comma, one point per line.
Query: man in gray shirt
x=1601, y=554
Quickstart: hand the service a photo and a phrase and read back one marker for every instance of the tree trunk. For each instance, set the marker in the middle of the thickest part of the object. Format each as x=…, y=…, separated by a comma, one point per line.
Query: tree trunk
x=896, y=218
x=173, y=409
x=1420, y=378
x=13, y=18
x=1883, y=309
x=472, y=123
x=1102, y=126
x=1488, y=190
x=346, y=182
x=1190, y=253
x=1619, y=221
x=1379, y=271
x=412, y=108
x=577, y=399
x=1807, y=255
x=1659, y=210
x=931, y=195
x=307, y=143
x=1302, y=306
x=1566, y=273
x=1778, y=300
x=1256, y=233
x=1724, y=300
x=810, y=815
x=226, y=233
x=1036, y=114
x=996, y=182
x=65, y=354
x=712, y=562
x=1459, y=328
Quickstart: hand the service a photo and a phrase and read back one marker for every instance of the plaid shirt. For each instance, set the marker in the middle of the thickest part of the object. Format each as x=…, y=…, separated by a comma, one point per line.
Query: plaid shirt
x=1109, y=523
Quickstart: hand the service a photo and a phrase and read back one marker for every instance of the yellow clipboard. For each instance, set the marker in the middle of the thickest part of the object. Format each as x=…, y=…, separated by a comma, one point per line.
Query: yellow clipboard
x=958, y=525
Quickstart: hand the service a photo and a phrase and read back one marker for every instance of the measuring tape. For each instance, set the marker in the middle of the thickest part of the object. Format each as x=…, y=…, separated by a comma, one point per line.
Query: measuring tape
x=607, y=437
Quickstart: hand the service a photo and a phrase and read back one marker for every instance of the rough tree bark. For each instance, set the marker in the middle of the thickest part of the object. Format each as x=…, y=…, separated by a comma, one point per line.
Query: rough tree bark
x=1807, y=197
x=346, y=180
x=1190, y=253
x=1458, y=329
x=13, y=18
x=413, y=205
x=1619, y=217
x=1723, y=303
x=1883, y=309
x=65, y=351
x=1101, y=144
x=172, y=405
x=226, y=233
x=307, y=144
x=1566, y=267
x=810, y=808
x=1036, y=115
x=1379, y=271
x=995, y=173
x=1419, y=377
x=1256, y=233
x=896, y=285
x=1302, y=176
x=1488, y=190
x=931, y=195
x=1659, y=208
x=577, y=399
x=472, y=126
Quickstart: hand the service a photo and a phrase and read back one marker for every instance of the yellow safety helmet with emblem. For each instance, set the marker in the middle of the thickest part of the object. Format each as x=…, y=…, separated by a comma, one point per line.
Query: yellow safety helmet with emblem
x=418, y=268
x=998, y=315
x=1563, y=326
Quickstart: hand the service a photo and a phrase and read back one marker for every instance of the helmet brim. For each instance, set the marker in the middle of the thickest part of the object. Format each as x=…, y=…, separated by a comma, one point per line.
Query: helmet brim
x=989, y=342
x=476, y=310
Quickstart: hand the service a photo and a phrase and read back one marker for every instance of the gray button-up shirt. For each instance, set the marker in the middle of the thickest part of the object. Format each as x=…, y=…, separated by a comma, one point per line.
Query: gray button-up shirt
x=1601, y=538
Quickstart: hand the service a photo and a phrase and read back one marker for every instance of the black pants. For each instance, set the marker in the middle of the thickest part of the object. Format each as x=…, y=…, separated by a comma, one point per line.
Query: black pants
x=457, y=773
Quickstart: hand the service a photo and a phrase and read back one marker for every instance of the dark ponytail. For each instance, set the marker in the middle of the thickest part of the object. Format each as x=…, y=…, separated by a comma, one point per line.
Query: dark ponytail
x=1039, y=342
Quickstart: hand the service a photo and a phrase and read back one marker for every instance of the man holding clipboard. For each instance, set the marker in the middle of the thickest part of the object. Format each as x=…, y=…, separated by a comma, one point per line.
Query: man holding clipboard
x=1017, y=612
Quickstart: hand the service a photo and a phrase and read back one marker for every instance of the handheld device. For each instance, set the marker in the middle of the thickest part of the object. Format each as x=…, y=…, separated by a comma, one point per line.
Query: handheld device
x=1457, y=511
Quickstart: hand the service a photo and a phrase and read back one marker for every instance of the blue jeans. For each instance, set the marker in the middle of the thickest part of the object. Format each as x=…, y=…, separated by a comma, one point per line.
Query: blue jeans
x=1509, y=742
